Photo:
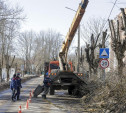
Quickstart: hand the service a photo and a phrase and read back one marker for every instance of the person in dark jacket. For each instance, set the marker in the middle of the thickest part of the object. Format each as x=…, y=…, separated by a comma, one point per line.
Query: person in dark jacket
x=47, y=82
x=19, y=86
x=13, y=86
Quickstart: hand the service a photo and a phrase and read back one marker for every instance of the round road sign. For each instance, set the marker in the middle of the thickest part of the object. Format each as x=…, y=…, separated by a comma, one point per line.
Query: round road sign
x=104, y=63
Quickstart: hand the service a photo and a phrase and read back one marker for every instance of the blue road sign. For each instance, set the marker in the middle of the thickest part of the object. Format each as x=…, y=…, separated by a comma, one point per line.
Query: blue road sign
x=104, y=53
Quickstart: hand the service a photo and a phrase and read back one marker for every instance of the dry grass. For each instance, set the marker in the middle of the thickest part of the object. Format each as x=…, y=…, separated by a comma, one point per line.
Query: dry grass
x=108, y=97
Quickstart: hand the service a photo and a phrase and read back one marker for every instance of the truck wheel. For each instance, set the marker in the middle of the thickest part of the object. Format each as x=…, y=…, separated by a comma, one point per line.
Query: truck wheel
x=35, y=96
x=52, y=91
x=70, y=90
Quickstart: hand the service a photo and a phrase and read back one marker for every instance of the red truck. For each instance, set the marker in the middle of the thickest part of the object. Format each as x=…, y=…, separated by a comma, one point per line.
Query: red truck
x=61, y=72
x=66, y=80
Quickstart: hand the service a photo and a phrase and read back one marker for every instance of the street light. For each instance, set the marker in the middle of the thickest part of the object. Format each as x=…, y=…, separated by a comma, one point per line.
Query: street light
x=70, y=9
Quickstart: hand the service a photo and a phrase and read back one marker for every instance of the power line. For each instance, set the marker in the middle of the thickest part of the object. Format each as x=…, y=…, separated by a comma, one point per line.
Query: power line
x=121, y=3
x=112, y=8
x=109, y=15
x=118, y=2
x=115, y=5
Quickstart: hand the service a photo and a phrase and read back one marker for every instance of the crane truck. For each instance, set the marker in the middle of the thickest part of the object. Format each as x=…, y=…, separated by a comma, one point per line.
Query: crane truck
x=61, y=72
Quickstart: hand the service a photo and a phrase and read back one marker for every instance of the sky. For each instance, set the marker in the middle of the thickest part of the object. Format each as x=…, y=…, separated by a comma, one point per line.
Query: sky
x=52, y=14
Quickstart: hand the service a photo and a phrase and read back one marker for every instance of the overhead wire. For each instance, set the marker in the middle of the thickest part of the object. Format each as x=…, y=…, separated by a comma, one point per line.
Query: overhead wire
x=115, y=5
x=109, y=16
x=112, y=9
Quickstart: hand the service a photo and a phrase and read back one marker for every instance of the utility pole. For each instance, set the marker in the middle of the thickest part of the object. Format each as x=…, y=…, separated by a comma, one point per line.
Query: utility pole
x=78, y=64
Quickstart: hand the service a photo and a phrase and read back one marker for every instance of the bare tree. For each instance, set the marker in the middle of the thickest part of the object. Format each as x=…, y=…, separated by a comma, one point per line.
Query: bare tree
x=9, y=22
x=93, y=26
x=90, y=55
x=39, y=48
x=119, y=43
x=25, y=46
x=92, y=35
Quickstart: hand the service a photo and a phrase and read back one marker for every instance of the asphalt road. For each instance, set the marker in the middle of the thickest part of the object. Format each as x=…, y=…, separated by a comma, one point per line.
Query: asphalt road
x=61, y=102
x=7, y=106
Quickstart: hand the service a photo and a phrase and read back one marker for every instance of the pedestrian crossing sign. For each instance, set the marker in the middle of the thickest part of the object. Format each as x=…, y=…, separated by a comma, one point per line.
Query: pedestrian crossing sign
x=104, y=53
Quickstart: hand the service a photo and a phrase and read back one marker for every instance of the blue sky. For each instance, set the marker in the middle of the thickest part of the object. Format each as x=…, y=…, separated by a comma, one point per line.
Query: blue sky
x=52, y=14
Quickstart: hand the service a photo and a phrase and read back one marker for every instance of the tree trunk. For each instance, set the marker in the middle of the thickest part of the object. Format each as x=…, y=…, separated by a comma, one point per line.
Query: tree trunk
x=120, y=69
x=8, y=72
x=0, y=72
x=90, y=72
x=7, y=66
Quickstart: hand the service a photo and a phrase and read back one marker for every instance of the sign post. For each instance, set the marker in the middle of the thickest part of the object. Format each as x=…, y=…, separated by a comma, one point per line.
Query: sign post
x=104, y=63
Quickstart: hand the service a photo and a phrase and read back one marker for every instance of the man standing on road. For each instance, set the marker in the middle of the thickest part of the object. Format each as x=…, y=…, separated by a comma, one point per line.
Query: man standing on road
x=13, y=86
x=19, y=86
x=47, y=82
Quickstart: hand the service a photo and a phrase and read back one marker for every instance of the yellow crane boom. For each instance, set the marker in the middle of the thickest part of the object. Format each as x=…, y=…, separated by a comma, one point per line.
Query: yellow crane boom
x=70, y=35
